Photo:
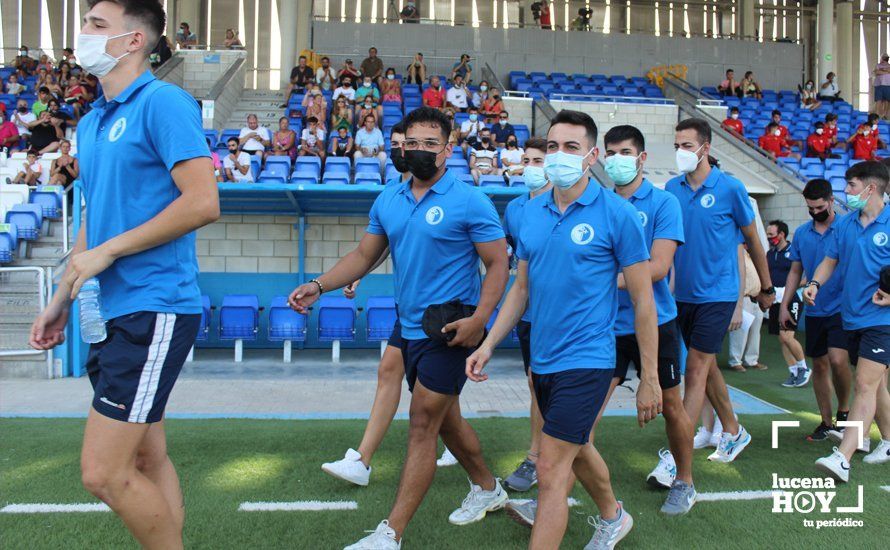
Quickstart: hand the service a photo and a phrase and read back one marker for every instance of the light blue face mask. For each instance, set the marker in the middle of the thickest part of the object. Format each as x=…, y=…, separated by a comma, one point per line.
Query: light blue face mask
x=565, y=169
x=857, y=202
x=534, y=177
x=622, y=169
x=474, y=117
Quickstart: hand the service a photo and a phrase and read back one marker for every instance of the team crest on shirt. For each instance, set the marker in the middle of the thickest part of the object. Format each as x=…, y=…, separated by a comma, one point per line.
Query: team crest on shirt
x=582, y=233
x=644, y=219
x=435, y=215
x=117, y=129
x=880, y=239
x=788, y=254
x=708, y=200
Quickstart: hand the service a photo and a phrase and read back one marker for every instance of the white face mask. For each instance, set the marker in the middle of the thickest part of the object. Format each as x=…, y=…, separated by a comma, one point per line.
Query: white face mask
x=819, y=131
x=93, y=57
x=734, y=116
x=777, y=132
x=687, y=161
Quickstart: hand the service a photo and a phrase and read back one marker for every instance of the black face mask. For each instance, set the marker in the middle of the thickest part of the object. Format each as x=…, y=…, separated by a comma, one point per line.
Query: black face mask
x=23, y=109
x=398, y=160
x=233, y=151
x=820, y=216
x=421, y=163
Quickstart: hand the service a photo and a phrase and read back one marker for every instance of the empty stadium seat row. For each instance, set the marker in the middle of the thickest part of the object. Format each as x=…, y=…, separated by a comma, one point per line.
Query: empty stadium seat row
x=23, y=221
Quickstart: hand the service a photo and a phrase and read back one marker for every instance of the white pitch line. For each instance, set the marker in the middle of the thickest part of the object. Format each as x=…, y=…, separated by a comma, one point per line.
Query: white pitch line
x=298, y=506
x=733, y=495
x=886, y=488
x=571, y=501
x=54, y=508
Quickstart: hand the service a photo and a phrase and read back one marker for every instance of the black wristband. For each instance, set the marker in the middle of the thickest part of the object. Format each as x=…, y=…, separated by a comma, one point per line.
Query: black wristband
x=814, y=283
x=320, y=286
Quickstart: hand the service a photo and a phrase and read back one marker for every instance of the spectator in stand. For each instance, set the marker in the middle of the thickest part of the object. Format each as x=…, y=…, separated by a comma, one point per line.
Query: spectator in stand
x=480, y=96
x=882, y=87
x=13, y=86
x=300, y=77
x=43, y=97
x=284, y=142
x=416, y=71
x=23, y=118
x=367, y=89
x=819, y=144
x=218, y=172
x=463, y=69
x=434, y=96
x=492, y=107
x=469, y=130
x=232, y=41
x=409, y=13
x=456, y=97
x=454, y=135
x=52, y=84
x=545, y=15
x=312, y=140
x=45, y=63
x=185, y=37
x=501, y=131
x=9, y=134
x=74, y=96
x=341, y=144
x=483, y=157
x=729, y=86
x=865, y=143
x=65, y=169
x=31, y=170
x=750, y=87
x=808, y=97
x=345, y=90
x=390, y=87
x=56, y=113
x=162, y=51
x=733, y=124
x=68, y=57
x=237, y=163
x=341, y=115
x=348, y=72
x=831, y=131
x=872, y=123
x=372, y=66
x=315, y=104
x=511, y=158
x=369, y=141
x=253, y=139
x=324, y=76
x=65, y=75
x=46, y=133
x=773, y=143
x=783, y=130
x=367, y=109
x=829, y=90
x=24, y=62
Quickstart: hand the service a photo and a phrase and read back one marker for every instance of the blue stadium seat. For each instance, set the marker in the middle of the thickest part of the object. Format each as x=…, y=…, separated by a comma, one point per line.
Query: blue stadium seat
x=336, y=322
x=226, y=134
x=391, y=173
x=807, y=162
x=367, y=170
x=467, y=178
x=517, y=181
x=381, y=316
x=305, y=174
x=239, y=320
x=204, y=329
x=522, y=134
x=211, y=135
x=840, y=196
x=811, y=172
x=49, y=197
x=286, y=325
x=282, y=160
x=276, y=173
x=8, y=242
x=255, y=165
x=492, y=180
x=838, y=183
x=28, y=219
x=336, y=170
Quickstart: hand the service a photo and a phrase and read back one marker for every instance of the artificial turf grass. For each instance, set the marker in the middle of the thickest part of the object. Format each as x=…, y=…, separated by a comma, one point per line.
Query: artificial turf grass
x=225, y=462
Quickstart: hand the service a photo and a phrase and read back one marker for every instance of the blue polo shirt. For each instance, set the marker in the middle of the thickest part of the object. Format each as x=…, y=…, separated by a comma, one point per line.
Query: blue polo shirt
x=707, y=266
x=861, y=252
x=512, y=221
x=573, y=262
x=127, y=147
x=660, y=215
x=808, y=248
x=432, y=242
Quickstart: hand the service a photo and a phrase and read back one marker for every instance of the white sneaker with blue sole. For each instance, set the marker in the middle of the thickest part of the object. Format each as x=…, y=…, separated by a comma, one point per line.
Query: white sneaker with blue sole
x=731, y=446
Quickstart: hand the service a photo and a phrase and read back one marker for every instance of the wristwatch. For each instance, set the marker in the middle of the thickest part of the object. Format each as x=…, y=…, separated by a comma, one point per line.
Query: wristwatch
x=770, y=290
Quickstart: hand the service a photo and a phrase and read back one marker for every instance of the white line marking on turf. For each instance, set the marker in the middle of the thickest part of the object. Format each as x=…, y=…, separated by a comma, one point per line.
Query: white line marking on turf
x=298, y=506
x=764, y=401
x=734, y=495
x=54, y=508
x=886, y=488
x=571, y=501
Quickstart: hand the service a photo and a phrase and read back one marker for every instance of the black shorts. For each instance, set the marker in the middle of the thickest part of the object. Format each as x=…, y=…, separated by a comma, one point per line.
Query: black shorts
x=872, y=343
x=794, y=309
x=570, y=401
x=704, y=326
x=823, y=333
x=439, y=368
x=395, y=337
x=524, y=332
x=133, y=370
x=627, y=351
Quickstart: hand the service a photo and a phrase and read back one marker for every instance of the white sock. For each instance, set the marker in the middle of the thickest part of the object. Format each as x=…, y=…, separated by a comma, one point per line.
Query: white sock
x=793, y=369
x=802, y=364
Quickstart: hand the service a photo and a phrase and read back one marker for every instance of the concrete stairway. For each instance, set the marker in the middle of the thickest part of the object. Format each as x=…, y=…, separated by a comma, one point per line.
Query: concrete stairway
x=263, y=103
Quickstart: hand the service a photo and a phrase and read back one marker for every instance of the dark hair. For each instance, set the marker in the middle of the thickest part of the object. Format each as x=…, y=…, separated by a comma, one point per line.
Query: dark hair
x=390, y=69
x=398, y=128
x=231, y=139
x=473, y=108
x=870, y=170
x=625, y=132
x=734, y=109
x=729, y=71
x=748, y=73
x=873, y=117
x=325, y=57
x=781, y=226
x=816, y=189
x=536, y=143
x=372, y=48
x=772, y=125
x=830, y=116
x=431, y=117
x=372, y=117
x=282, y=118
x=577, y=118
x=701, y=127
x=504, y=113
x=32, y=152
x=819, y=124
x=301, y=57
x=43, y=90
x=311, y=119
x=148, y=12
x=776, y=112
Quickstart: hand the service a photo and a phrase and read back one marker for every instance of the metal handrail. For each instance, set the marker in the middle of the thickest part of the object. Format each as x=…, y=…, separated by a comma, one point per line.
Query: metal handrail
x=41, y=280
x=168, y=66
x=217, y=89
x=489, y=75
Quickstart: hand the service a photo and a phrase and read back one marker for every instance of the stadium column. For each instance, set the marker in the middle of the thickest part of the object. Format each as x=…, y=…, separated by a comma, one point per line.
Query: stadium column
x=845, y=49
x=748, y=23
x=296, y=21
x=825, y=39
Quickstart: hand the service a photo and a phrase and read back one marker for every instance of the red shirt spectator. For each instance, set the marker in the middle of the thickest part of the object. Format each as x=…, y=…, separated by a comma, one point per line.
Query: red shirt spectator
x=783, y=131
x=818, y=145
x=777, y=145
x=831, y=132
x=734, y=124
x=9, y=134
x=434, y=98
x=864, y=146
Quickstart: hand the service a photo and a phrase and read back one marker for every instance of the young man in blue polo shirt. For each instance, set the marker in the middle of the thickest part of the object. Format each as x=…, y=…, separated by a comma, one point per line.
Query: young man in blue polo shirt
x=860, y=249
x=706, y=283
x=826, y=340
x=573, y=243
x=437, y=228
x=148, y=182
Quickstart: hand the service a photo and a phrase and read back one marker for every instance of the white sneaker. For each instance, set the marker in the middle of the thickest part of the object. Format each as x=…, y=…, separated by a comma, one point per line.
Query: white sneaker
x=447, y=459
x=835, y=465
x=838, y=436
x=731, y=446
x=607, y=535
x=350, y=468
x=665, y=472
x=382, y=538
x=702, y=439
x=716, y=432
x=880, y=455
x=478, y=503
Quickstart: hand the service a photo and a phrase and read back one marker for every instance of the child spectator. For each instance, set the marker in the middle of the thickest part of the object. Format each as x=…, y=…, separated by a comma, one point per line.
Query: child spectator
x=32, y=170
x=312, y=140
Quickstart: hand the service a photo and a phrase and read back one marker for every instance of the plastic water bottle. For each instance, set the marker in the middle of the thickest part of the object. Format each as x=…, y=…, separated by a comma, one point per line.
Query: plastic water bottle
x=92, y=325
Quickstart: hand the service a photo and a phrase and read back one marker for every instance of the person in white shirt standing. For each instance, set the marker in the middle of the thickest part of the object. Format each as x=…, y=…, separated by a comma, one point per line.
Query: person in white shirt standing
x=254, y=138
x=456, y=97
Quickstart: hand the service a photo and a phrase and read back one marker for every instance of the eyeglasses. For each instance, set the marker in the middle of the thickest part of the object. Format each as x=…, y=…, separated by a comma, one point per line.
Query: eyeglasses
x=425, y=144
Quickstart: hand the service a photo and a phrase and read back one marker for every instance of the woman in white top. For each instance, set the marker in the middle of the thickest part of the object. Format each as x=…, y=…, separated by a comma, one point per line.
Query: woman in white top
x=511, y=158
x=808, y=99
x=829, y=91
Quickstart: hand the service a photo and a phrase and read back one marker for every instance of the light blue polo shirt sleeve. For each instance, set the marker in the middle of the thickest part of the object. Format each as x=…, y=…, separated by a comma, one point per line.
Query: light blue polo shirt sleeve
x=629, y=243
x=176, y=127
x=669, y=221
x=832, y=246
x=742, y=212
x=483, y=222
x=374, y=225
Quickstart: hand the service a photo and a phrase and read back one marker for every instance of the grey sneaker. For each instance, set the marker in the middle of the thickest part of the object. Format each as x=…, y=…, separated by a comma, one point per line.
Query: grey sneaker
x=524, y=478
x=607, y=534
x=803, y=376
x=791, y=381
x=522, y=511
x=680, y=499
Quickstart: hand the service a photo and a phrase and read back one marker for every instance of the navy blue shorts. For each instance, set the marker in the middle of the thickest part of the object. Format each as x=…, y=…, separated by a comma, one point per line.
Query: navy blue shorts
x=627, y=351
x=704, y=326
x=133, y=370
x=823, y=333
x=570, y=400
x=395, y=338
x=439, y=368
x=872, y=343
x=524, y=332
x=882, y=93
